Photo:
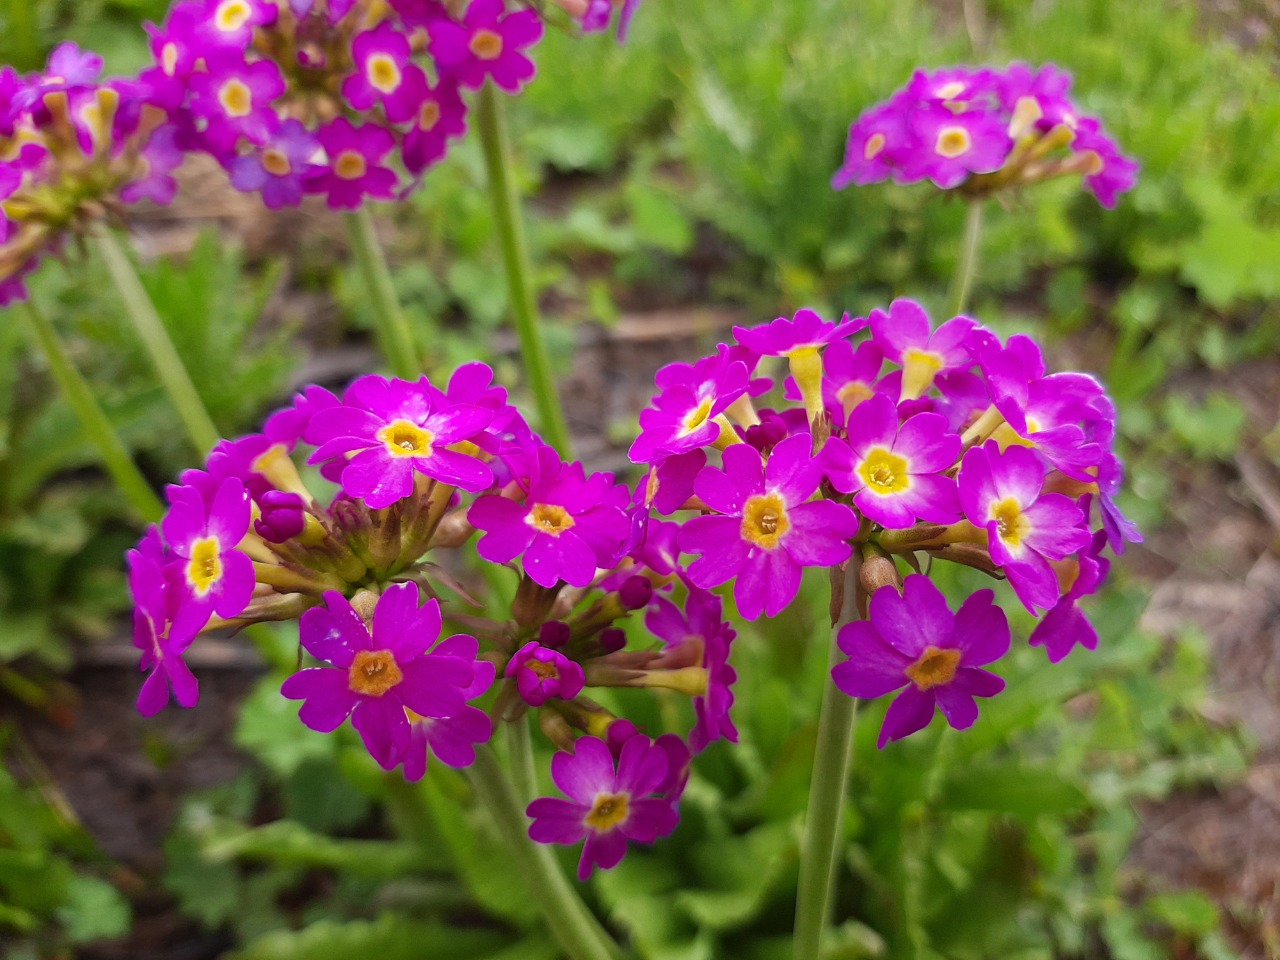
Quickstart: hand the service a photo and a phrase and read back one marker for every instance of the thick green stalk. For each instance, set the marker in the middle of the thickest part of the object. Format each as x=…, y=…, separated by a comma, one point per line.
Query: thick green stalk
x=141, y=312
x=820, y=848
x=97, y=428
x=515, y=256
x=572, y=923
x=520, y=756
x=394, y=334
x=967, y=265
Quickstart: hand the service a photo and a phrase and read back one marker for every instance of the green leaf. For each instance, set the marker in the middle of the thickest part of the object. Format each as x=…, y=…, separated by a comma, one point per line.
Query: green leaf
x=286, y=842
x=1020, y=789
x=390, y=937
x=1188, y=912
x=657, y=220
x=94, y=910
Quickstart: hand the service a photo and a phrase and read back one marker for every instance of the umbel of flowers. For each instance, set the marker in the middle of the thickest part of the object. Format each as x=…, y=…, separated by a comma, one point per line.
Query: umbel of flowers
x=74, y=150
x=415, y=476
x=898, y=440
x=349, y=99
x=985, y=130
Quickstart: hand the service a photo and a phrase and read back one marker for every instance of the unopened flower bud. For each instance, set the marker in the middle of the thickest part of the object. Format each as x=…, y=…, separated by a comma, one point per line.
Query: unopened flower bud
x=636, y=592
x=612, y=639
x=541, y=674
x=554, y=634
x=282, y=516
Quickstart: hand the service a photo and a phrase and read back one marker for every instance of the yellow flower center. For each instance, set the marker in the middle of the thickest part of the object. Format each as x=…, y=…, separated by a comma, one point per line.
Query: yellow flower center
x=1011, y=523
x=853, y=393
x=486, y=45
x=764, y=520
x=276, y=163
x=949, y=91
x=934, y=668
x=549, y=518
x=543, y=670
x=236, y=98
x=350, y=165
x=205, y=567
x=429, y=115
x=608, y=811
x=1026, y=112
x=953, y=142
x=875, y=143
x=383, y=73
x=232, y=15
x=696, y=417
x=884, y=472
x=373, y=672
x=405, y=439
x=169, y=59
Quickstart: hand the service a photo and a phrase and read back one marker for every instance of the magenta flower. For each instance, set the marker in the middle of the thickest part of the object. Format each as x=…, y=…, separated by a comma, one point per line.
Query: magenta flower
x=230, y=23
x=913, y=640
x=605, y=806
x=355, y=164
x=399, y=429
x=161, y=648
x=385, y=75
x=699, y=637
x=1001, y=493
x=280, y=167
x=951, y=146
x=1109, y=172
x=682, y=417
x=906, y=337
x=452, y=740
x=489, y=43
x=849, y=377
x=375, y=677
x=176, y=48
x=542, y=674
x=440, y=117
x=599, y=12
x=956, y=87
x=210, y=574
x=1042, y=95
x=895, y=473
x=874, y=148
x=805, y=332
x=1065, y=627
x=567, y=526
x=234, y=99
x=766, y=531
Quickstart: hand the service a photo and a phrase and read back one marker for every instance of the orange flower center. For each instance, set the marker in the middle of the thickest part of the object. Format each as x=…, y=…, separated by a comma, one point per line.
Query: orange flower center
x=549, y=518
x=429, y=115
x=608, y=811
x=276, y=163
x=875, y=143
x=236, y=98
x=373, y=672
x=350, y=165
x=934, y=668
x=764, y=520
x=486, y=45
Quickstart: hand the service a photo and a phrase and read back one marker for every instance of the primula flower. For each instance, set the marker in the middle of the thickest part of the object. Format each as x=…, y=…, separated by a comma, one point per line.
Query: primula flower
x=542, y=674
x=913, y=640
x=906, y=337
x=799, y=340
x=1065, y=627
x=355, y=164
x=374, y=677
x=567, y=526
x=161, y=648
x=1001, y=493
x=210, y=574
x=281, y=167
x=385, y=75
x=607, y=807
x=683, y=416
x=950, y=146
x=895, y=473
x=234, y=100
x=766, y=531
x=452, y=740
x=874, y=148
x=440, y=117
x=488, y=43
x=398, y=429
x=1108, y=172
x=699, y=636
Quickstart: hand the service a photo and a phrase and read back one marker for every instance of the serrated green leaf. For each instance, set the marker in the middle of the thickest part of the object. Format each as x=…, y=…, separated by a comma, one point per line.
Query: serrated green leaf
x=94, y=910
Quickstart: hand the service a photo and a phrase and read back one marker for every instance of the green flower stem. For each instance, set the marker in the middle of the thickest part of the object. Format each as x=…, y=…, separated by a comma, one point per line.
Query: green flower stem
x=97, y=428
x=571, y=922
x=515, y=255
x=520, y=756
x=168, y=366
x=967, y=265
x=820, y=848
x=394, y=334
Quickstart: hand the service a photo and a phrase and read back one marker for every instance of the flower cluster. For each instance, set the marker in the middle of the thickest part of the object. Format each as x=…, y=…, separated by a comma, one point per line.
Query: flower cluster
x=917, y=440
x=74, y=149
x=340, y=98
x=982, y=130
x=373, y=573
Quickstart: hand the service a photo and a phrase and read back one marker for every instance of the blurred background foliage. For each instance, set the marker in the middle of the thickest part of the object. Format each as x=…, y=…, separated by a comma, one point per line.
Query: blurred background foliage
x=689, y=167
